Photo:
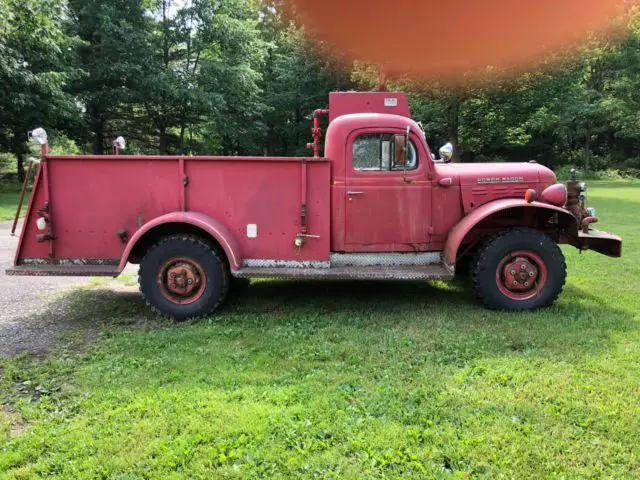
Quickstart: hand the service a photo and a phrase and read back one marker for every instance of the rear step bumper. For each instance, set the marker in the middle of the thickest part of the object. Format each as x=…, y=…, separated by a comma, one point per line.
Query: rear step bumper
x=424, y=272
x=64, y=270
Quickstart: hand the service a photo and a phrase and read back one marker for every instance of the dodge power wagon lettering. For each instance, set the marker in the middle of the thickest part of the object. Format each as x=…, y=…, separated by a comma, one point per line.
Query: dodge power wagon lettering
x=377, y=206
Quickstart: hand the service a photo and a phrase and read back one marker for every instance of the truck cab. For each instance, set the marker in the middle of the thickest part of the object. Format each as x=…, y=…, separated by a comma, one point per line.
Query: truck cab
x=374, y=206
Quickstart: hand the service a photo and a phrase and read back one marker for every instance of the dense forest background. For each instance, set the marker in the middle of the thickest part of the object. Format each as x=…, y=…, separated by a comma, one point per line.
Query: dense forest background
x=236, y=77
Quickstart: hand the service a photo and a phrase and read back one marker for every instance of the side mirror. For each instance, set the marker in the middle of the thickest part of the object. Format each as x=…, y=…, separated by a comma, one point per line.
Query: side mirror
x=446, y=152
x=401, y=153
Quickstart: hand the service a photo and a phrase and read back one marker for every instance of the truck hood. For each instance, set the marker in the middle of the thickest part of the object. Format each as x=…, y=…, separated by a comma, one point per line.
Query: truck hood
x=465, y=174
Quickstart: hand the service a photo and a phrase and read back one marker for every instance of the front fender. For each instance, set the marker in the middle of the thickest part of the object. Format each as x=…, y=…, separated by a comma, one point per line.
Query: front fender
x=462, y=228
x=211, y=226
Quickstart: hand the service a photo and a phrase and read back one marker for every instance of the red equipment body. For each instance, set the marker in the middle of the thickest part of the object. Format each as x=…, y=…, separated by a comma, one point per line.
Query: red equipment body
x=100, y=205
x=311, y=217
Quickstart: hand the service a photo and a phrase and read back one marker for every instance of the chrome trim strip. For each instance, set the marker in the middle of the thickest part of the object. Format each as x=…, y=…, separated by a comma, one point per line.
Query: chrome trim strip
x=274, y=263
x=384, y=259
x=68, y=261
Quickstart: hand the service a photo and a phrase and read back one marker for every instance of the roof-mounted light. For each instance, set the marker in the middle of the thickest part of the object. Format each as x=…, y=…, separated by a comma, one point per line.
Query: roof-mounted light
x=39, y=135
x=120, y=143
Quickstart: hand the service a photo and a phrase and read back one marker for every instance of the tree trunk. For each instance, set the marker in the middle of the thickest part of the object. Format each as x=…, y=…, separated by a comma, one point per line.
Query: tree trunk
x=98, y=140
x=227, y=146
x=271, y=140
x=20, y=150
x=587, y=151
x=182, y=130
x=163, y=144
x=97, y=127
x=453, y=123
x=20, y=166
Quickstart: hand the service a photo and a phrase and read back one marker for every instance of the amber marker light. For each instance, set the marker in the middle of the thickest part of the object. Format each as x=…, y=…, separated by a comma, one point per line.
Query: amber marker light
x=530, y=195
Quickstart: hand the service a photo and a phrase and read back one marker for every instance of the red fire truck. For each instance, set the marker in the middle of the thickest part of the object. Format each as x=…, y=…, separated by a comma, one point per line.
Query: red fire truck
x=376, y=206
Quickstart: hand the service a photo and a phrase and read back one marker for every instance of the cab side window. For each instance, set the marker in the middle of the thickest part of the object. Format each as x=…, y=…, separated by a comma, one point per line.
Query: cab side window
x=375, y=152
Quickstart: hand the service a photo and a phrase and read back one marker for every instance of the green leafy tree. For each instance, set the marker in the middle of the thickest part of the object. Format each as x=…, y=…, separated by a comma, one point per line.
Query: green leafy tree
x=36, y=63
x=300, y=73
x=115, y=57
x=204, y=79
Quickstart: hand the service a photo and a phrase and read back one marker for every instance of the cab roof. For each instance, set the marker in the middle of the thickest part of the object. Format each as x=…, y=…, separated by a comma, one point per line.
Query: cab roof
x=346, y=103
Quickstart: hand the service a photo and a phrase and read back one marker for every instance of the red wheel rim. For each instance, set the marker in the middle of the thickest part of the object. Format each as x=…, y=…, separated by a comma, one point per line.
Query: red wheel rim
x=521, y=275
x=181, y=280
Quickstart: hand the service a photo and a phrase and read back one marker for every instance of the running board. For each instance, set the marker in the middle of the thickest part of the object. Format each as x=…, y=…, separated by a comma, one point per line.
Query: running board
x=410, y=272
x=64, y=270
x=385, y=259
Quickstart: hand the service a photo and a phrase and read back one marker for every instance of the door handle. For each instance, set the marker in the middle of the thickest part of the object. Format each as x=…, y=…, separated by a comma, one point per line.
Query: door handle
x=353, y=194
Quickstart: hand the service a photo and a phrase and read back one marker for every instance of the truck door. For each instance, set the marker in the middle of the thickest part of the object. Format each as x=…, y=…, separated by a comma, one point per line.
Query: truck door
x=388, y=203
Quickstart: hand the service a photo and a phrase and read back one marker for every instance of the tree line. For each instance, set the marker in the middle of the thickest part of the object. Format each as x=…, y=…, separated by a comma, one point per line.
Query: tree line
x=236, y=77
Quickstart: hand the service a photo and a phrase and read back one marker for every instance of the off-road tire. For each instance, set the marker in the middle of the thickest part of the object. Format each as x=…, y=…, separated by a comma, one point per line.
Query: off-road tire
x=497, y=248
x=211, y=262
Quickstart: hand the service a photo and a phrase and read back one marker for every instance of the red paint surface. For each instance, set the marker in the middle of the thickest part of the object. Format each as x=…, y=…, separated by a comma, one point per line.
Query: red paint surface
x=444, y=38
x=94, y=199
x=344, y=103
x=390, y=215
x=555, y=195
x=213, y=227
x=463, y=227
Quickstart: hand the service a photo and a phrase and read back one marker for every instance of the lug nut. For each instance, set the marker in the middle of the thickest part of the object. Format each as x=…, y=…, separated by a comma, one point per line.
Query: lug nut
x=526, y=284
x=513, y=272
x=515, y=283
x=531, y=274
x=523, y=267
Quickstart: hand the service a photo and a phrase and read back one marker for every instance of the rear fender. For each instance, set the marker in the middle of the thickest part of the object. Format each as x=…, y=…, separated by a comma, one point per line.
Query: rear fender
x=218, y=231
x=566, y=222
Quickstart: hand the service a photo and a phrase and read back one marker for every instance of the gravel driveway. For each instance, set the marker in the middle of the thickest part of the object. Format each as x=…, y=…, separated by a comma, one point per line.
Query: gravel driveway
x=33, y=310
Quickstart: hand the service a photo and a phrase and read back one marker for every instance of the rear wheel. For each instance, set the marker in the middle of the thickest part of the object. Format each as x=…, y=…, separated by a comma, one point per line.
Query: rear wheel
x=182, y=276
x=519, y=270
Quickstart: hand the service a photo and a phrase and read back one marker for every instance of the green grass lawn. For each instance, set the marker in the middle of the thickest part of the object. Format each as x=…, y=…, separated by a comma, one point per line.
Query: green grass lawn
x=346, y=380
x=9, y=197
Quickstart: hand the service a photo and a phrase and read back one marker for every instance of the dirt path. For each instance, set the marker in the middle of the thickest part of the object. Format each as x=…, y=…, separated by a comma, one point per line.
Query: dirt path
x=33, y=310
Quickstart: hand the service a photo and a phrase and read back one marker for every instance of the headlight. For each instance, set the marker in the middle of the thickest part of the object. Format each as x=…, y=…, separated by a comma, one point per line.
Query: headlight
x=591, y=212
x=583, y=187
x=555, y=194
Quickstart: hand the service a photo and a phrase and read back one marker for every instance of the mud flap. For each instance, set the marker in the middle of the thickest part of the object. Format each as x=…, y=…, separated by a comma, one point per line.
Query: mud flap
x=601, y=242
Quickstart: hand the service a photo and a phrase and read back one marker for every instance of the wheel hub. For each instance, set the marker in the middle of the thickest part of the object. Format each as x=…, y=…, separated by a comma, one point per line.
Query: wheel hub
x=520, y=275
x=181, y=280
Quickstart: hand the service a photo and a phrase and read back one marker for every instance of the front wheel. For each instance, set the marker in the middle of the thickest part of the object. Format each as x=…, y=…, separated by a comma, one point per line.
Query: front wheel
x=182, y=276
x=519, y=270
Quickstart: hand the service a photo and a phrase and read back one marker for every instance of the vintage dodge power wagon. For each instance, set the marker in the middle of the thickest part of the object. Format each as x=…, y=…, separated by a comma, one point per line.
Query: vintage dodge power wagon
x=376, y=206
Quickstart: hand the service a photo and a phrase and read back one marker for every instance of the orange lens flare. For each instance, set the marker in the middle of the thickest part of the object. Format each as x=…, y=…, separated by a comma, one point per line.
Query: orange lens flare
x=450, y=37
